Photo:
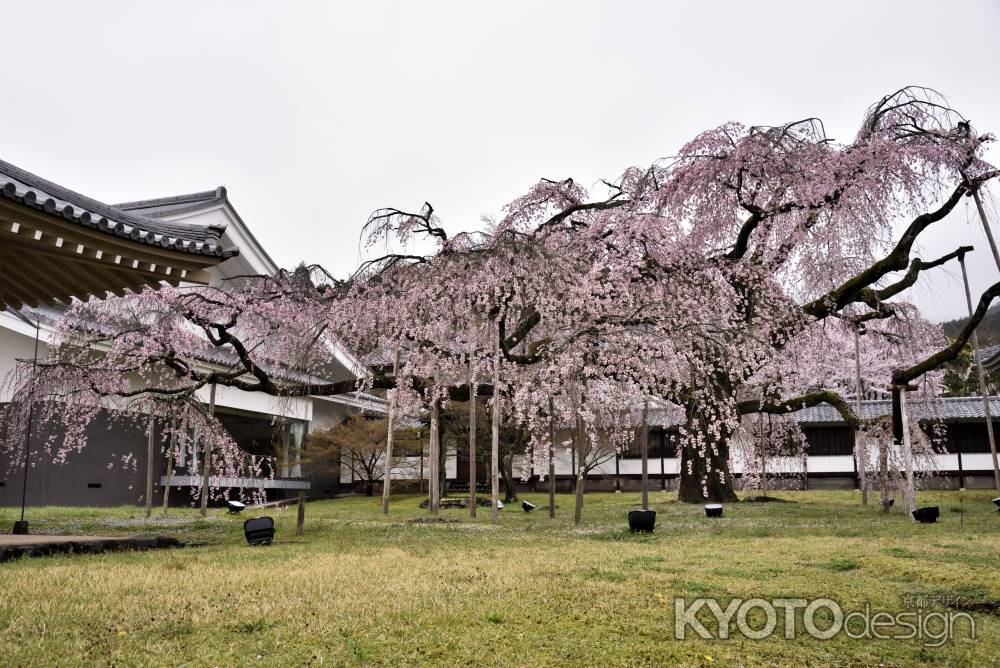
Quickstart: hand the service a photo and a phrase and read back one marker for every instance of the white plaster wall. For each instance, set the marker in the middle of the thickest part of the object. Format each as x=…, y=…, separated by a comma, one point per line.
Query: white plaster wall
x=15, y=345
x=299, y=408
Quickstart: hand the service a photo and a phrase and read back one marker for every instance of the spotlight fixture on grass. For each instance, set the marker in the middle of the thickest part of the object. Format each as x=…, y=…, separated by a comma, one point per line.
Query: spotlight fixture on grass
x=641, y=520
x=259, y=530
x=713, y=510
x=996, y=502
x=528, y=506
x=235, y=507
x=927, y=514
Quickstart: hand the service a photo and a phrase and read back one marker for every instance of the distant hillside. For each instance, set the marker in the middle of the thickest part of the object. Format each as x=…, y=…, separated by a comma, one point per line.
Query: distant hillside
x=989, y=328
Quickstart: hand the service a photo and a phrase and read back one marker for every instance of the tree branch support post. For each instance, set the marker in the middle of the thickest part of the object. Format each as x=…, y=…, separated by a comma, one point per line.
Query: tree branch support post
x=663, y=471
x=435, y=445
x=883, y=475
x=986, y=227
x=495, y=431
x=472, y=436
x=150, y=449
x=171, y=446
x=390, y=432
x=300, y=520
x=983, y=390
x=911, y=492
x=644, y=445
x=618, y=472
x=581, y=475
x=860, y=447
x=552, y=459
x=206, y=465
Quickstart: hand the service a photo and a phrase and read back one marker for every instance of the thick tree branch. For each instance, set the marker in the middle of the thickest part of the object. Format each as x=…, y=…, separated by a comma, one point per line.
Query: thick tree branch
x=904, y=376
x=800, y=402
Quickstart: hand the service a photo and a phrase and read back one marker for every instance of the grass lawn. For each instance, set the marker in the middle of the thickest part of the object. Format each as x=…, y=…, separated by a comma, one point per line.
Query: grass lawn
x=362, y=589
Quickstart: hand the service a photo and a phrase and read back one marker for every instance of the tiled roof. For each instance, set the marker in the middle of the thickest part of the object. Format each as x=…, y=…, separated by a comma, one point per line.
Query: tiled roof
x=178, y=205
x=949, y=409
x=174, y=204
x=990, y=355
x=33, y=191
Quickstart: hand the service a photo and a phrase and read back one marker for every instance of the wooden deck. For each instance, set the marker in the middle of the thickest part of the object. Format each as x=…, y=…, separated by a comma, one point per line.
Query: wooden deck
x=16, y=546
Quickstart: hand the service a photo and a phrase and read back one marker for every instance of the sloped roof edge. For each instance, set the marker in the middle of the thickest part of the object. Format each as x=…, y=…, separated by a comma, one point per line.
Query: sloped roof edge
x=33, y=191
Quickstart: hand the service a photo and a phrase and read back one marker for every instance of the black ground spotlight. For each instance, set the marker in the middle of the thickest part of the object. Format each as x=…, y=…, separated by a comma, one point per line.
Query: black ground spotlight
x=528, y=506
x=713, y=510
x=996, y=502
x=235, y=507
x=927, y=514
x=259, y=530
x=641, y=520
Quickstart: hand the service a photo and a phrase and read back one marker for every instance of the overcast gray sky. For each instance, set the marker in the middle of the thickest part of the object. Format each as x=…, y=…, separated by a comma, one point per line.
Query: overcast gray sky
x=314, y=114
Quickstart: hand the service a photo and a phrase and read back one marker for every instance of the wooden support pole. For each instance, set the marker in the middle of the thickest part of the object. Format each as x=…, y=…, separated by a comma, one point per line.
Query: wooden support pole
x=390, y=432
x=552, y=459
x=150, y=461
x=206, y=464
x=663, y=471
x=911, y=493
x=883, y=475
x=644, y=445
x=860, y=447
x=983, y=390
x=581, y=475
x=618, y=472
x=472, y=436
x=495, y=432
x=435, y=445
x=986, y=227
x=170, y=459
x=300, y=520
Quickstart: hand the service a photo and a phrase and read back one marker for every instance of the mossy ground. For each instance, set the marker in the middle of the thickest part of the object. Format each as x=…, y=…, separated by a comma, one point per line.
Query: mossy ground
x=359, y=588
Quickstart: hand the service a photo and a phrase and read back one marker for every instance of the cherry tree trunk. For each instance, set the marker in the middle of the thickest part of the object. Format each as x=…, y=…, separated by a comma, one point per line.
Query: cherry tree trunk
x=705, y=477
x=507, y=473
